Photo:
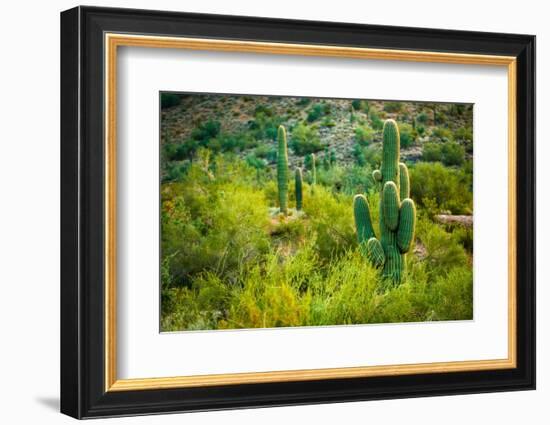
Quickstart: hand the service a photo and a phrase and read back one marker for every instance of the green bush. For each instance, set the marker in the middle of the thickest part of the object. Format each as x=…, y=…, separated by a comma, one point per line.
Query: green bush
x=359, y=155
x=373, y=155
x=266, y=151
x=431, y=152
x=449, y=153
x=305, y=139
x=376, y=122
x=464, y=134
x=255, y=162
x=206, y=131
x=361, y=105
x=364, y=135
x=265, y=123
x=441, y=187
x=168, y=100
x=443, y=250
x=407, y=135
x=422, y=118
x=224, y=217
x=393, y=107
x=317, y=111
x=453, y=153
x=443, y=134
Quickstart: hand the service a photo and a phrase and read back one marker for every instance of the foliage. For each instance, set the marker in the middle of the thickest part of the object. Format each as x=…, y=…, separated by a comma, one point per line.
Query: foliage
x=449, y=153
x=364, y=135
x=393, y=107
x=317, y=111
x=422, y=118
x=442, y=188
x=407, y=135
x=229, y=259
x=376, y=122
x=168, y=100
x=305, y=139
x=442, y=134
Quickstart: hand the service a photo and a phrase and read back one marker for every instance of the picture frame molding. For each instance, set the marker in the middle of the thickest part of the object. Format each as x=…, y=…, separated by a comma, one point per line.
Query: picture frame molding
x=89, y=41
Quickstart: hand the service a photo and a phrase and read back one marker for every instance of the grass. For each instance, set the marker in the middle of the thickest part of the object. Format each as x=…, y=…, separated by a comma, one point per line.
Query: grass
x=227, y=264
x=229, y=259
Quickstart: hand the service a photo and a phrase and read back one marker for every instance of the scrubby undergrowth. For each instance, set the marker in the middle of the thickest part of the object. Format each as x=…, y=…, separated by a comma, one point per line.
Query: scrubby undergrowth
x=227, y=262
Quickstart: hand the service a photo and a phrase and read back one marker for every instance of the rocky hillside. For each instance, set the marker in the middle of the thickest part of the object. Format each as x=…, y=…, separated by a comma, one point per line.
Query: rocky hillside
x=246, y=125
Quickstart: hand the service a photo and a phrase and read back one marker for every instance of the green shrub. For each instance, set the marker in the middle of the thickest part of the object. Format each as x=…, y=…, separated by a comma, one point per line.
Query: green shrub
x=265, y=150
x=220, y=211
x=305, y=139
x=376, y=122
x=449, y=153
x=328, y=122
x=263, y=110
x=329, y=216
x=373, y=155
x=265, y=123
x=359, y=155
x=443, y=134
x=393, y=107
x=364, y=135
x=361, y=105
x=431, y=152
x=422, y=118
x=441, y=187
x=453, y=153
x=168, y=100
x=464, y=134
x=407, y=135
x=443, y=250
x=316, y=112
x=255, y=162
x=180, y=151
x=206, y=131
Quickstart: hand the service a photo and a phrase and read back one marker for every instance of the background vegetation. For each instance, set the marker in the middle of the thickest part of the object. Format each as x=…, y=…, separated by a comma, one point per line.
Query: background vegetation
x=230, y=261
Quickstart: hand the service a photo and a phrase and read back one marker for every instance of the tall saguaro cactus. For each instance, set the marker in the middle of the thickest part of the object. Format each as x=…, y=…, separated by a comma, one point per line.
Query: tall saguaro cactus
x=313, y=170
x=282, y=169
x=298, y=188
x=397, y=211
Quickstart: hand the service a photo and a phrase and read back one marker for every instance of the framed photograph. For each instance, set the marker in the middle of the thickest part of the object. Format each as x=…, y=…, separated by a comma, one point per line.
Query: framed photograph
x=261, y=212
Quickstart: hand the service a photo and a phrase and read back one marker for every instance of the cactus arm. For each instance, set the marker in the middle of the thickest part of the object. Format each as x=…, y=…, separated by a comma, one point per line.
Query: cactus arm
x=298, y=188
x=282, y=169
x=404, y=182
x=363, y=222
x=377, y=175
x=390, y=205
x=375, y=252
x=407, y=223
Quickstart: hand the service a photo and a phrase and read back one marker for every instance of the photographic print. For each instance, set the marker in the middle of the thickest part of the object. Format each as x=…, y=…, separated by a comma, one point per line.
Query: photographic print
x=282, y=211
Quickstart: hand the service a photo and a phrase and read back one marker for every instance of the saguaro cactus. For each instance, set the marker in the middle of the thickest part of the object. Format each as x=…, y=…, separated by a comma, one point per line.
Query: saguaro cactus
x=313, y=170
x=298, y=188
x=282, y=169
x=397, y=211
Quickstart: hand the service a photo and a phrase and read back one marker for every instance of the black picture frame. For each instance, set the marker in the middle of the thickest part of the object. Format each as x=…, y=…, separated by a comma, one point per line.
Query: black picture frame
x=83, y=392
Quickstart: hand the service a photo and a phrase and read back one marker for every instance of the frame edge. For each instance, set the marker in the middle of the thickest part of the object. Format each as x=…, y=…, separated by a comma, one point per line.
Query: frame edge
x=70, y=349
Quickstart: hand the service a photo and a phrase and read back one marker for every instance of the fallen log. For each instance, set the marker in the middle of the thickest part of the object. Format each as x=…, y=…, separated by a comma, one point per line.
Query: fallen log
x=463, y=220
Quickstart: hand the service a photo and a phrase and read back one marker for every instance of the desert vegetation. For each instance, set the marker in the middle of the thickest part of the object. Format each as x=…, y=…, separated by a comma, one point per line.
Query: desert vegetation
x=264, y=203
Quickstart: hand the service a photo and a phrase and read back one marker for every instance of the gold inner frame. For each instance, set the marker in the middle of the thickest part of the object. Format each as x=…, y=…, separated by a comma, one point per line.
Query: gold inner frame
x=113, y=41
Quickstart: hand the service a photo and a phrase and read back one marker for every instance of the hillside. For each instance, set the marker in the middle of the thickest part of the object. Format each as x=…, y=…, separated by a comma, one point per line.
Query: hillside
x=343, y=128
